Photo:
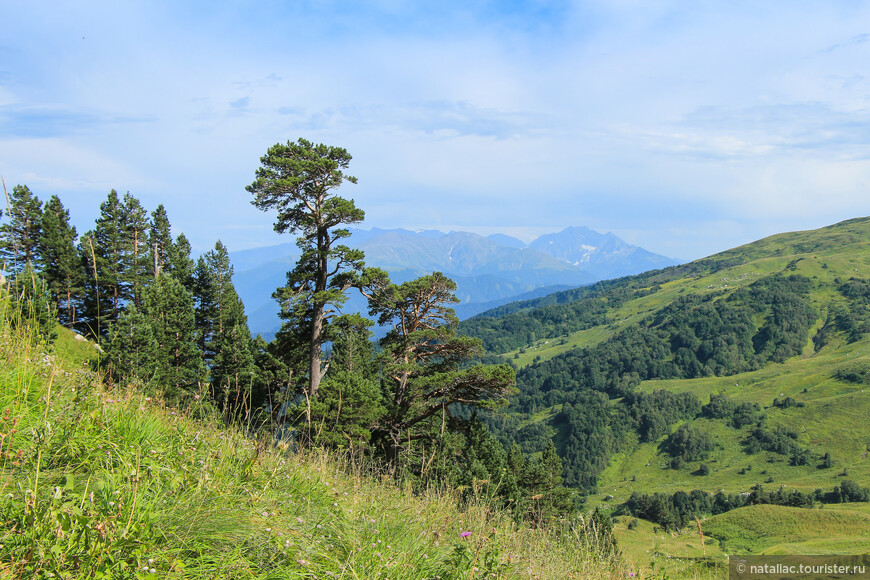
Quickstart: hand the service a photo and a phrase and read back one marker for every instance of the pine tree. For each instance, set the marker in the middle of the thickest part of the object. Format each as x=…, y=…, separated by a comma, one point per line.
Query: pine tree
x=160, y=240
x=179, y=264
x=132, y=350
x=168, y=309
x=102, y=255
x=19, y=236
x=298, y=180
x=138, y=268
x=425, y=361
x=59, y=261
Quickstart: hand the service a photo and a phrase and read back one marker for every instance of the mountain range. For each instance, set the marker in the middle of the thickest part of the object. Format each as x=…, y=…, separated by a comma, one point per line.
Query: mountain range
x=489, y=271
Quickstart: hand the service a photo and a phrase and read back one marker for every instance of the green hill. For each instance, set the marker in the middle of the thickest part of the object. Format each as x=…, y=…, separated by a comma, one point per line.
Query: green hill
x=101, y=481
x=777, y=332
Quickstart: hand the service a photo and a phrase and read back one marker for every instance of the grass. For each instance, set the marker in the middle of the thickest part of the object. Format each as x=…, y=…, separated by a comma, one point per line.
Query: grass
x=771, y=529
x=102, y=481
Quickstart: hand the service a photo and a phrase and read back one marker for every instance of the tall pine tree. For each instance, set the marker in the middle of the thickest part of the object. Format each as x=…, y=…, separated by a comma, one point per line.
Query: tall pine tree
x=136, y=254
x=59, y=261
x=19, y=235
x=102, y=254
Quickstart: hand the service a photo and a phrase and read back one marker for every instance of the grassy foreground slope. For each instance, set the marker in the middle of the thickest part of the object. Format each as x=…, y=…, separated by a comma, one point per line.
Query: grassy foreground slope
x=100, y=481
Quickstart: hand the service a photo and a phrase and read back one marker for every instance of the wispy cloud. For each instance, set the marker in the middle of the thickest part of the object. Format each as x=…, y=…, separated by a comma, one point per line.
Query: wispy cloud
x=49, y=121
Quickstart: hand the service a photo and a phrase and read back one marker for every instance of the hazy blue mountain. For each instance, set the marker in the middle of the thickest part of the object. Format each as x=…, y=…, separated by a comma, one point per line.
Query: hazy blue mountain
x=509, y=241
x=489, y=271
x=604, y=256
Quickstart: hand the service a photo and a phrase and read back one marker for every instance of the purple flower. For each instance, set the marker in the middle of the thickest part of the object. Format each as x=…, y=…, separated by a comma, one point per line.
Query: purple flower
x=464, y=534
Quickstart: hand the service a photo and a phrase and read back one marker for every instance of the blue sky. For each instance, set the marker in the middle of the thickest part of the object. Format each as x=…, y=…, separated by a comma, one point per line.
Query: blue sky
x=684, y=127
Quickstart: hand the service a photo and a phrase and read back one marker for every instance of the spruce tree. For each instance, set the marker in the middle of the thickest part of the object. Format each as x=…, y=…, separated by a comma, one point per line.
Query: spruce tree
x=138, y=269
x=59, y=261
x=179, y=264
x=19, y=235
x=168, y=310
x=102, y=254
x=131, y=350
x=160, y=240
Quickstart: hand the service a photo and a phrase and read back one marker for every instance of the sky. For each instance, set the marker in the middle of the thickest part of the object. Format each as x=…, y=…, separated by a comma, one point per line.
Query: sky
x=684, y=127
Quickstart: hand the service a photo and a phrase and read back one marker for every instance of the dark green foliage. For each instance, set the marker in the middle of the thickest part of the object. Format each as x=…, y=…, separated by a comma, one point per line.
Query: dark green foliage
x=352, y=349
x=179, y=264
x=542, y=480
x=850, y=491
x=169, y=308
x=652, y=415
x=136, y=255
x=102, y=252
x=20, y=232
x=346, y=407
x=160, y=240
x=59, y=262
x=586, y=440
x=779, y=440
x=737, y=415
x=132, y=349
x=599, y=530
x=856, y=374
x=853, y=318
x=424, y=363
x=689, y=443
x=674, y=512
x=484, y=470
x=694, y=336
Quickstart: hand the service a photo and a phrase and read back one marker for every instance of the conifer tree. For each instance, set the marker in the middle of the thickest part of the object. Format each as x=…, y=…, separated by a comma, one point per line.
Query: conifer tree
x=179, y=263
x=168, y=309
x=298, y=180
x=349, y=401
x=102, y=255
x=19, y=235
x=138, y=269
x=59, y=261
x=132, y=349
x=160, y=240
x=425, y=362
x=543, y=482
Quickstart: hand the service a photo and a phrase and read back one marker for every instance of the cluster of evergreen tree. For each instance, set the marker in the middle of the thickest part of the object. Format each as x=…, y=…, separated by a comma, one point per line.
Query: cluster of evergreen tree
x=674, y=512
x=162, y=318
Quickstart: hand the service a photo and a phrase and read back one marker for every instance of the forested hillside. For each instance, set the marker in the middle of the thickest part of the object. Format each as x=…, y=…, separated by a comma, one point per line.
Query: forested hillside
x=743, y=370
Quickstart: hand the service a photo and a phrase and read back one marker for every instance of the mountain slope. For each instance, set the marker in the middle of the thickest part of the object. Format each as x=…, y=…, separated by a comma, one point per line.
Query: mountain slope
x=750, y=367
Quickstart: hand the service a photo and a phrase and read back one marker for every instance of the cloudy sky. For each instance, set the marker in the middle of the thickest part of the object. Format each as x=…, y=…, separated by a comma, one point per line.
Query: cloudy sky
x=684, y=127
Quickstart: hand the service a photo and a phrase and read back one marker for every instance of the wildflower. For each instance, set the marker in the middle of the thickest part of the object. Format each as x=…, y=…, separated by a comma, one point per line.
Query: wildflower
x=464, y=534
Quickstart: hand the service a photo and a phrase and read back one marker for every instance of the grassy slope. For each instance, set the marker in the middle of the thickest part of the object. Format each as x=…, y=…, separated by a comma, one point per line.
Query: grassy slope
x=99, y=482
x=771, y=529
x=834, y=418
